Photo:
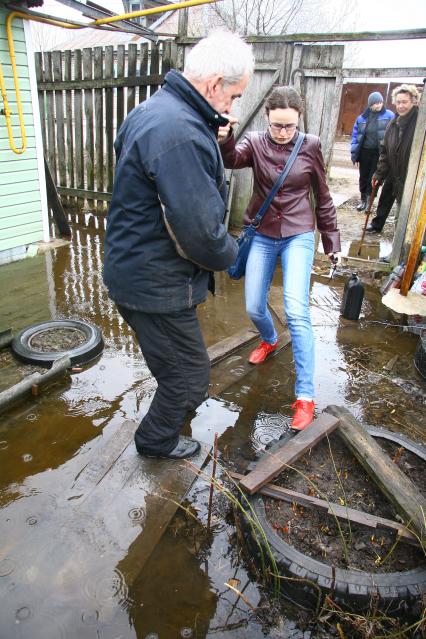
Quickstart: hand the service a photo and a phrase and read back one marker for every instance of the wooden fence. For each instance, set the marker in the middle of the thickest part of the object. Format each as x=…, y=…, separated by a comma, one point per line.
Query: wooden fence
x=84, y=96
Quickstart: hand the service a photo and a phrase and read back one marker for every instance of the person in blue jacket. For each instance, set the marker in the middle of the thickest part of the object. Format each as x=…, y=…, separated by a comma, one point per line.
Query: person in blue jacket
x=165, y=230
x=367, y=136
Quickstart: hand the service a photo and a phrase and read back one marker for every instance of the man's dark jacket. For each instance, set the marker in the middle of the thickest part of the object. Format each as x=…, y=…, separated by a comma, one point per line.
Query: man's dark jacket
x=165, y=228
x=396, y=149
x=384, y=116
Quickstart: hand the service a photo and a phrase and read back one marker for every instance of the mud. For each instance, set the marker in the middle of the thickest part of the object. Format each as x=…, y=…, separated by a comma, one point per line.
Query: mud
x=330, y=471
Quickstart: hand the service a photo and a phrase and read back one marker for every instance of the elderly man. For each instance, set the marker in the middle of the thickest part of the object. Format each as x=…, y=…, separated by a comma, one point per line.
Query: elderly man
x=165, y=232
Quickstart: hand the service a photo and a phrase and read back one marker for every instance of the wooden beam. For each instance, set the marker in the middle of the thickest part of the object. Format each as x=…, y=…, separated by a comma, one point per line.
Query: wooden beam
x=55, y=204
x=335, y=510
x=359, y=36
x=102, y=83
x=395, y=485
x=270, y=465
x=229, y=345
x=411, y=196
x=416, y=245
x=87, y=194
x=400, y=72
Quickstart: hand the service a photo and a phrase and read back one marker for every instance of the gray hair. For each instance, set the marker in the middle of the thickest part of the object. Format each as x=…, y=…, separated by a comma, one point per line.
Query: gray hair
x=221, y=53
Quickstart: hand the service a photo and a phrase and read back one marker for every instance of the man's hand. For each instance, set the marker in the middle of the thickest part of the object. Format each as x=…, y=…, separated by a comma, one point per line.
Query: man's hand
x=375, y=183
x=224, y=131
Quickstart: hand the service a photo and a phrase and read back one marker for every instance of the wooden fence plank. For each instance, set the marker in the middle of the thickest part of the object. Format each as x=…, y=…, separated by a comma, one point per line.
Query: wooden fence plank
x=59, y=112
x=109, y=119
x=120, y=90
x=143, y=70
x=69, y=124
x=78, y=128
x=131, y=72
x=154, y=67
x=40, y=78
x=270, y=465
x=400, y=491
x=88, y=114
x=98, y=71
x=336, y=510
x=51, y=132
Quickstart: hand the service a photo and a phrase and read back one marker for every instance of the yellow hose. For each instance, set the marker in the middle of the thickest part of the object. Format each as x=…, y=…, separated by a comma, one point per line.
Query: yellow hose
x=65, y=25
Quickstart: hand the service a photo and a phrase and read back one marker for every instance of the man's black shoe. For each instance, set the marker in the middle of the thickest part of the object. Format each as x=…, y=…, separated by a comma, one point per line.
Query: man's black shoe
x=372, y=229
x=361, y=206
x=186, y=447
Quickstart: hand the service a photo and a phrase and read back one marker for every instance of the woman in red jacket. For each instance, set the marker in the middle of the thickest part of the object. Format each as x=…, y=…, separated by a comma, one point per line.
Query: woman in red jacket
x=286, y=231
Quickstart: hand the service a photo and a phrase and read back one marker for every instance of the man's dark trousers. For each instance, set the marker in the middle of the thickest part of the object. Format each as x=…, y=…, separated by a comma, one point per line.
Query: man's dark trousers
x=368, y=159
x=175, y=353
x=386, y=201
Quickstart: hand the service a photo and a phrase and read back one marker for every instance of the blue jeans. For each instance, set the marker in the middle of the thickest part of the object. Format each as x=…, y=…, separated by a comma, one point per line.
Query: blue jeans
x=297, y=255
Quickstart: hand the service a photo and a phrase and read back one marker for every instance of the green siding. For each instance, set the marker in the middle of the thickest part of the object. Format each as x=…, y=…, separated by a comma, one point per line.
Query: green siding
x=20, y=200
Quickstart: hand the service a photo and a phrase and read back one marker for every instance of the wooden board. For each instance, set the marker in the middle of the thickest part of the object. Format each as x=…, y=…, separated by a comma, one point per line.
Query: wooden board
x=270, y=465
x=336, y=510
x=395, y=485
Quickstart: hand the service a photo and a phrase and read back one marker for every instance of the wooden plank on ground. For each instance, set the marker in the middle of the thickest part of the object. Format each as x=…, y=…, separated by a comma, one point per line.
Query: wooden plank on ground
x=336, y=510
x=395, y=485
x=270, y=465
x=229, y=345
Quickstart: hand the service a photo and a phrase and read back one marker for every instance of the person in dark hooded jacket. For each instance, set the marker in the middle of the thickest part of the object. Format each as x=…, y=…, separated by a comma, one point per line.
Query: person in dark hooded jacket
x=367, y=136
x=165, y=230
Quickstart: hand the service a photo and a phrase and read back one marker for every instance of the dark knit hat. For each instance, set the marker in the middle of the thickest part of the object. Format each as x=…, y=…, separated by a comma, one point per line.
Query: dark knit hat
x=374, y=98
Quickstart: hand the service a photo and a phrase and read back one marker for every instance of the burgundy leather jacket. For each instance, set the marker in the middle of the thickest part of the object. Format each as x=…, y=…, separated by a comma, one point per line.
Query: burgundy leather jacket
x=290, y=212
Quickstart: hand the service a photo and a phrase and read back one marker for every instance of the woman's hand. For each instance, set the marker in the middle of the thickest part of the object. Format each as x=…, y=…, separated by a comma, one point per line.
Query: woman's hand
x=225, y=131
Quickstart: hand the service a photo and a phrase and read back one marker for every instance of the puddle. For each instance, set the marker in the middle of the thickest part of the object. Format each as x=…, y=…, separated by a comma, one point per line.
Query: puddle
x=45, y=440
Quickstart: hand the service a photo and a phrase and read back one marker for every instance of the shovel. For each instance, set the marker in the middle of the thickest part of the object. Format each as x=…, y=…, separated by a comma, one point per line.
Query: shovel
x=370, y=204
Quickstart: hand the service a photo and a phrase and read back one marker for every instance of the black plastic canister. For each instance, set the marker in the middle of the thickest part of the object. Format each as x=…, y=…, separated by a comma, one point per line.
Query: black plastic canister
x=353, y=295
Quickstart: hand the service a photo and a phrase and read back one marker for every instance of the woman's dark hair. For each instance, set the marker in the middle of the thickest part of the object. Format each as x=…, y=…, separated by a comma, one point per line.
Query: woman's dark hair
x=284, y=98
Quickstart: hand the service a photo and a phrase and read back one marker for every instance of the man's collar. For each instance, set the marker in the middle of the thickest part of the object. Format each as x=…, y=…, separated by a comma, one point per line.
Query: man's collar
x=177, y=83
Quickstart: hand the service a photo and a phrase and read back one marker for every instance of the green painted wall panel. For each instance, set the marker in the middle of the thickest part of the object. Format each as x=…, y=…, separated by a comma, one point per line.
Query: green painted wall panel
x=23, y=197
x=4, y=144
x=24, y=230
x=30, y=154
x=8, y=178
x=21, y=240
x=23, y=219
x=20, y=200
x=15, y=188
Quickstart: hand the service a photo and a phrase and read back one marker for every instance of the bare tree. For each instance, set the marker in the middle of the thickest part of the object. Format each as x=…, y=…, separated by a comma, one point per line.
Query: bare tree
x=268, y=17
x=259, y=17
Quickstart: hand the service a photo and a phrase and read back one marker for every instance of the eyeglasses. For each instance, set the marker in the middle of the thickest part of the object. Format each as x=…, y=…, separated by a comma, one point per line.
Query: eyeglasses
x=289, y=128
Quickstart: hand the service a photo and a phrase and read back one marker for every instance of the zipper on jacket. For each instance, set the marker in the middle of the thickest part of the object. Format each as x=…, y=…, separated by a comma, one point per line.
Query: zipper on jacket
x=190, y=293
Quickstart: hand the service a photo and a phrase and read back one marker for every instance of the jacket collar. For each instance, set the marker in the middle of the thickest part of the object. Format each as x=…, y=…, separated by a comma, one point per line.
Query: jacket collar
x=367, y=112
x=176, y=83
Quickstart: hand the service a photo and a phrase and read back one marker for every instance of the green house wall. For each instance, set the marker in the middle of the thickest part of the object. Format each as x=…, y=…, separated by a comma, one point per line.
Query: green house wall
x=21, y=211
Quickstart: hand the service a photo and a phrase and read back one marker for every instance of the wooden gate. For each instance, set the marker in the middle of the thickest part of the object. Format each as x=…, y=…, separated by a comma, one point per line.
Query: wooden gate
x=84, y=96
x=316, y=71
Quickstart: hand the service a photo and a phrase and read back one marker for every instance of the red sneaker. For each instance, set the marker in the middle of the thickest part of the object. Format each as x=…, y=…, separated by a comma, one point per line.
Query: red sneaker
x=261, y=352
x=303, y=414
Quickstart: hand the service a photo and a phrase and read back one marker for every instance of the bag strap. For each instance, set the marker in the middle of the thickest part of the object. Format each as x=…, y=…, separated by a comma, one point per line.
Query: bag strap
x=278, y=184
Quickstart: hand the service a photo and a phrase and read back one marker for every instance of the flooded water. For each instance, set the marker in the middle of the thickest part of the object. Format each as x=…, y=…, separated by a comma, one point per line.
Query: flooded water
x=48, y=588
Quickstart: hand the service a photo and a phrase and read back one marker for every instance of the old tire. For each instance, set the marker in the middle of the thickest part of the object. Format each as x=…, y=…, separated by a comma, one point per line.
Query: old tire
x=91, y=348
x=307, y=581
x=420, y=356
